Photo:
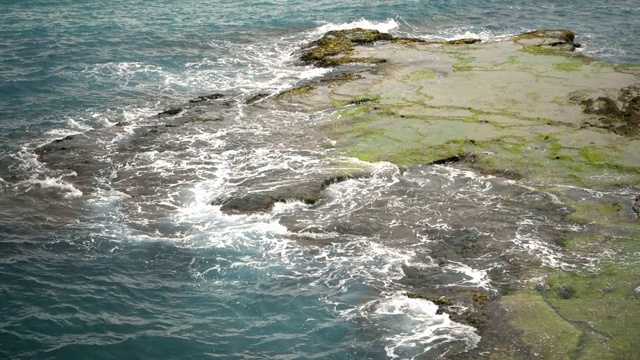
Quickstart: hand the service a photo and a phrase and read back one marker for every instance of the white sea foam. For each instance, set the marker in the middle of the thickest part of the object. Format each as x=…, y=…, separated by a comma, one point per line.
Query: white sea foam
x=546, y=253
x=471, y=277
x=67, y=189
x=414, y=326
x=385, y=26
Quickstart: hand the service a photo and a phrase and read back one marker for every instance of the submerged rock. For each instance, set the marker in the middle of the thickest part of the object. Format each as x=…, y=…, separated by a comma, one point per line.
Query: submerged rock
x=206, y=97
x=308, y=193
x=209, y=116
x=171, y=111
x=256, y=98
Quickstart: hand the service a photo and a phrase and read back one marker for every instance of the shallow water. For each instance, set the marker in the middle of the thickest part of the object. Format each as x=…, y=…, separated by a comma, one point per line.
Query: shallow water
x=124, y=256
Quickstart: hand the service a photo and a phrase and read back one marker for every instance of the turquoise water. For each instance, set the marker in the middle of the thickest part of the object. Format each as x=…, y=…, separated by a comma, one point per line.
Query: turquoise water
x=133, y=262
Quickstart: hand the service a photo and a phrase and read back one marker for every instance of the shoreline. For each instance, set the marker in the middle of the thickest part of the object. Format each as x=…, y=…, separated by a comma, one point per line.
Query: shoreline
x=529, y=110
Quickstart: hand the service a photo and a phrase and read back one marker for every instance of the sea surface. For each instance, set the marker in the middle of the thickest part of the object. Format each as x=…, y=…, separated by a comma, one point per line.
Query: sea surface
x=132, y=261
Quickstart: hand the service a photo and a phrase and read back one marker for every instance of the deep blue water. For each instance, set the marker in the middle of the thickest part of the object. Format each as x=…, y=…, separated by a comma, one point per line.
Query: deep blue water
x=86, y=274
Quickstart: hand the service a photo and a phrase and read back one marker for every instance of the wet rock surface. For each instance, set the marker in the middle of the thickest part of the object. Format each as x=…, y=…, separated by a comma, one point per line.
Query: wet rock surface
x=309, y=192
x=339, y=42
x=87, y=155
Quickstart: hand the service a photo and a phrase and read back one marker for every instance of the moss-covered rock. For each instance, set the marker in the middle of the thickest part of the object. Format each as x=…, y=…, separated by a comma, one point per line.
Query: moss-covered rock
x=341, y=78
x=348, y=59
x=548, y=334
x=546, y=39
x=480, y=298
x=297, y=91
x=339, y=41
x=464, y=41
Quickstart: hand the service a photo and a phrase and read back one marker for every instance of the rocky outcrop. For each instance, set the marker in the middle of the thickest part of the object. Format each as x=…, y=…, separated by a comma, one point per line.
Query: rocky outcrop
x=335, y=47
x=263, y=201
x=340, y=42
x=545, y=39
x=171, y=111
x=206, y=97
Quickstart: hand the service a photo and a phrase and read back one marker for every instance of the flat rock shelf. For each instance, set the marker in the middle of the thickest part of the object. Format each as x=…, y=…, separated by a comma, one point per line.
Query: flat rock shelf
x=530, y=109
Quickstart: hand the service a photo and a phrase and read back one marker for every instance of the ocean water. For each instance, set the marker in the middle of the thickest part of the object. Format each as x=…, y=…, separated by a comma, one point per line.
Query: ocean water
x=131, y=260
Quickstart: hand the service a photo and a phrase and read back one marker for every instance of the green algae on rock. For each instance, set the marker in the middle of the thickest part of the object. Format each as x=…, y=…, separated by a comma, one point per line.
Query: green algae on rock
x=297, y=91
x=555, y=122
x=324, y=51
x=545, y=40
x=340, y=41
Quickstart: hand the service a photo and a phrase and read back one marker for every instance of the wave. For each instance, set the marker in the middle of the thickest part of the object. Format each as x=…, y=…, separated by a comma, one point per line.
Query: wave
x=383, y=26
x=415, y=326
x=67, y=189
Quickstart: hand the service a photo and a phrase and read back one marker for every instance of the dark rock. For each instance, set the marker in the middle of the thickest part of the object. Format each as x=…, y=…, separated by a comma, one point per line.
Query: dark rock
x=308, y=193
x=363, y=228
x=171, y=111
x=623, y=120
x=632, y=113
x=206, y=97
x=636, y=205
x=449, y=160
x=263, y=202
x=565, y=292
x=542, y=287
x=123, y=123
x=601, y=106
x=545, y=39
x=256, y=98
x=249, y=203
x=77, y=153
x=465, y=41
